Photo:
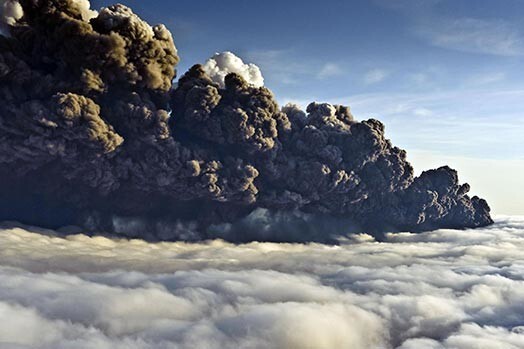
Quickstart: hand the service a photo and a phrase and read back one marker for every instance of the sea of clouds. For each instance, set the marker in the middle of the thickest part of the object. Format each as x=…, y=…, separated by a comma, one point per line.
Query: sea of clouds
x=442, y=289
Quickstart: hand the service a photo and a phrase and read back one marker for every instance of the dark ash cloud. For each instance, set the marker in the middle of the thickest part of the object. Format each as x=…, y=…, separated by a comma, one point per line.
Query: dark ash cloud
x=92, y=133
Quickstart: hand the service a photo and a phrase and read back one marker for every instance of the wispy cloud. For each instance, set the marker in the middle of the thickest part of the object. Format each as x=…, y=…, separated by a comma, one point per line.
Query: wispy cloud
x=329, y=70
x=427, y=76
x=279, y=65
x=375, y=76
x=419, y=78
x=461, y=33
x=422, y=112
x=496, y=37
x=486, y=78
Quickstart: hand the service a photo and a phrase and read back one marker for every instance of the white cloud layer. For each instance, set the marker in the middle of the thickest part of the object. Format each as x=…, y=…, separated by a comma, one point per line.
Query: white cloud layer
x=221, y=64
x=443, y=289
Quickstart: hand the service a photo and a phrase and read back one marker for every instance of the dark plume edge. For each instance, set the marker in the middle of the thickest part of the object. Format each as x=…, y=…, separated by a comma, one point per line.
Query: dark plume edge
x=93, y=134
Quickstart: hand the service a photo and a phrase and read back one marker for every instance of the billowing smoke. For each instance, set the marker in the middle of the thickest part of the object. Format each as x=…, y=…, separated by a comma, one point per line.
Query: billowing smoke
x=222, y=64
x=93, y=134
x=445, y=289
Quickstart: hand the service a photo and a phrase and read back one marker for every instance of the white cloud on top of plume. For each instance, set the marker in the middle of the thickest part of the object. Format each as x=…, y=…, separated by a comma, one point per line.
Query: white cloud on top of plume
x=221, y=64
x=85, y=8
x=442, y=289
x=10, y=12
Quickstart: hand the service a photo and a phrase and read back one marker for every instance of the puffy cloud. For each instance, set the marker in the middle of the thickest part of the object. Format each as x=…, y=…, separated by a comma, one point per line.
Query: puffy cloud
x=10, y=12
x=221, y=64
x=85, y=8
x=444, y=289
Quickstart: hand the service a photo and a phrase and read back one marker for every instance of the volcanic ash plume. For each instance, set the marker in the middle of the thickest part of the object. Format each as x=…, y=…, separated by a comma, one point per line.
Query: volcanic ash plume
x=93, y=133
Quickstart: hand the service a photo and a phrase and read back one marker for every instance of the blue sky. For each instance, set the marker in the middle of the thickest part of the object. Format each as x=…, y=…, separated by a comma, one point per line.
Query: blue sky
x=446, y=77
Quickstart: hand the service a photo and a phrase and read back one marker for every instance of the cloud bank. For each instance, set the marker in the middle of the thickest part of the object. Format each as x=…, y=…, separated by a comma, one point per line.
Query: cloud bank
x=441, y=289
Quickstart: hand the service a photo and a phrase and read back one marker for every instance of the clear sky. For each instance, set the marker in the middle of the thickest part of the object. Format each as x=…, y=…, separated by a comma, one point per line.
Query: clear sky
x=445, y=77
